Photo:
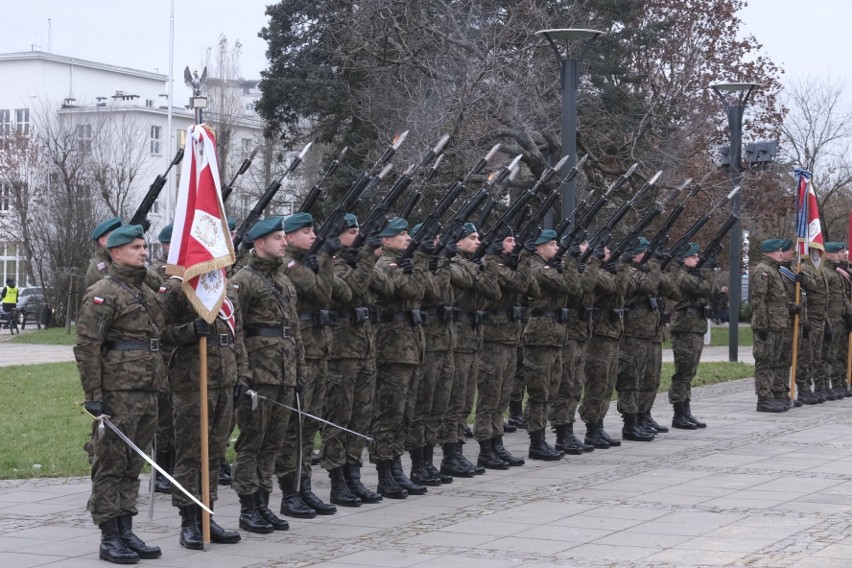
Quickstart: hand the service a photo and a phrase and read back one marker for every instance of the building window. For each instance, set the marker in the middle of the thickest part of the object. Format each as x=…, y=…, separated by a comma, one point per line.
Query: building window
x=4, y=198
x=22, y=121
x=84, y=138
x=156, y=139
x=5, y=122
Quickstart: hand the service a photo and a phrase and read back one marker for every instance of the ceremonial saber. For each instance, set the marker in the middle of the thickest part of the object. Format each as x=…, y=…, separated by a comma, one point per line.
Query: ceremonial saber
x=254, y=396
x=102, y=419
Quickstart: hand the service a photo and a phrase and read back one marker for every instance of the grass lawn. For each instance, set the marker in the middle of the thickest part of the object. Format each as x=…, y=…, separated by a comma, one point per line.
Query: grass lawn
x=719, y=337
x=51, y=336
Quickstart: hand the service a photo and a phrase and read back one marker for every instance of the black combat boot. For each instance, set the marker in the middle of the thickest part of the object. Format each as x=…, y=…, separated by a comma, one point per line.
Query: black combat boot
x=649, y=422
x=218, y=535
x=388, y=486
x=768, y=404
x=631, y=431
x=679, y=420
x=565, y=443
x=190, y=531
x=540, y=449
x=224, y=474
x=352, y=474
x=642, y=424
x=291, y=502
x=488, y=459
x=161, y=483
x=804, y=394
x=477, y=469
x=340, y=492
x=613, y=442
x=429, y=466
x=311, y=500
x=503, y=453
x=419, y=474
x=112, y=547
x=315, y=457
x=133, y=542
x=516, y=414
x=450, y=464
x=261, y=502
x=250, y=519
x=827, y=393
x=594, y=438
x=509, y=428
x=401, y=480
x=687, y=410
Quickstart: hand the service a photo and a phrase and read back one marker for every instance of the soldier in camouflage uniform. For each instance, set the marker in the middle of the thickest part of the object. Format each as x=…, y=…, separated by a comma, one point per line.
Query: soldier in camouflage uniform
x=832, y=375
x=500, y=339
x=544, y=338
x=772, y=301
x=315, y=283
x=352, y=366
x=516, y=398
x=273, y=341
x=839, y=380
x=815, y=294
x=117, y=353
x=635, y=353
x=602, y=348
x=226, y=361
x=399, y=356
x=470, y=301
x=689, y=324
x=99, y=264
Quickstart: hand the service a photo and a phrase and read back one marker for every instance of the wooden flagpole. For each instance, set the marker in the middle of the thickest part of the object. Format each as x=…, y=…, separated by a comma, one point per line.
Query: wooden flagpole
x=205, y=450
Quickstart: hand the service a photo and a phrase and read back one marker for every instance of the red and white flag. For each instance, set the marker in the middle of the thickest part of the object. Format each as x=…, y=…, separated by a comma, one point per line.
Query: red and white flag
x=201, y=245
x=808, y=227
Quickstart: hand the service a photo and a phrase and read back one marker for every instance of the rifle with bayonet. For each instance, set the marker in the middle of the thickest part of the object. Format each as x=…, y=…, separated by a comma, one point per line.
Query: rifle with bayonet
x=140, y=217
x=266, y=198
x=683, y=242
x=315, y=194
x=417, y=194
x=715, y=246
x=226, y=191
x=661, y=237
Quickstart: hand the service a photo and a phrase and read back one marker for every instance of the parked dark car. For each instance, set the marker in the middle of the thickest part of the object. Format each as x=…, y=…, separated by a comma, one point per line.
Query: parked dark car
x=31, y=305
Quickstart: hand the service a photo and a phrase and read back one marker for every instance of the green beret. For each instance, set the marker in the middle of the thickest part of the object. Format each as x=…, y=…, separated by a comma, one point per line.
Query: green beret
x=468, y=229
x=264, y=227
x=232, y=223
x=297, y=221
x=350, y=221
x=416, y=228
x=788, y=245
x=165, y=235
x=545, y=236
x=772, y=245
x=691, y=250
x=394, y=227
x=105, y=227
x=834, y=247
x=640, y=246
x=123, y=235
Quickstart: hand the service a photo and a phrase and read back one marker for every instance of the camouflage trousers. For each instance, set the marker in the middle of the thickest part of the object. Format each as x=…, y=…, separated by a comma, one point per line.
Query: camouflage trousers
x=519, y=384
x=772, y=359
x=834, y=353
x=465, y=372
x=649, y=383
x=635, y=355
x=563, y=406
x=810, y=351
x=494, y=385
x=115, y=467
x=312, y=401
x=433, y=399
x=187, y=420
x=396, y=384
x=686, y=348
x=165, y=423
x=349, y=402
x=839, y=376
x=543, y=373
x=261, y=435
x=601, y=374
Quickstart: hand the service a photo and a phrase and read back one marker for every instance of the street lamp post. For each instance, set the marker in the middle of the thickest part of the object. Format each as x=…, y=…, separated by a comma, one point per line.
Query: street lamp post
x=734, y=97
x=569, y=73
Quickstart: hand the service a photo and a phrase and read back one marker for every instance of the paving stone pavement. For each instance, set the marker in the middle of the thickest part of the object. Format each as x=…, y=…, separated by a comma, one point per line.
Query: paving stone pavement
x=757, y=490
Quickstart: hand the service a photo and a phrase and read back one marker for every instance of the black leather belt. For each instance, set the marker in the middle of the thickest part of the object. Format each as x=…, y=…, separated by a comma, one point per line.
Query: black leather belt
x=473, y=317
x=152, y=345
x=562, y=315
x=283, y=331
x=222, y=340
x=320, y=318
x=357, y=316
x=698, y=311
x=513, y=313
x=414, y=317
x=439, y=314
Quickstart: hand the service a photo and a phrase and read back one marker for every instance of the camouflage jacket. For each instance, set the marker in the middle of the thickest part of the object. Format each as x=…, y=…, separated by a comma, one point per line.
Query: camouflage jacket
x=501, y=327
x=485, y=288
x=837, y=305
x=353, y=340
x=314, y=294
x=669, y=293
x=397, y=340
x=609, y=302
x=815, y=286
x=98, y=267
x=273, y=360
x=441, y=330
x=642, y=304
x=226, y=353
x=119, y=308
x=157, y=276
x=553, y=291
x=696, y=286
x=580, y=325
x=769, y=296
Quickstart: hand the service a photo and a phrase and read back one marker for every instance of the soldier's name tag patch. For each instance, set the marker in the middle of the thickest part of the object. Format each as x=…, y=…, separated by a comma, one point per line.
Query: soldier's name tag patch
x=97, y=300
x=292, y=264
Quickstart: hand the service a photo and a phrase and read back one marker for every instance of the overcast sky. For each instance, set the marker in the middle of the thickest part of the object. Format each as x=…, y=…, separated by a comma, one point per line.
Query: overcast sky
x=804, y=37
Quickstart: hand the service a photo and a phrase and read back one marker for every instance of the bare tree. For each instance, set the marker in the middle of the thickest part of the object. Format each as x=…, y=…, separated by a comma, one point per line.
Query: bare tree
x=225, y=97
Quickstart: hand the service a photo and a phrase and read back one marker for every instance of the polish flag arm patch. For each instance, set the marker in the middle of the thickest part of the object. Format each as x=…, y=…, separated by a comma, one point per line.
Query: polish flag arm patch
x=97, y=300
x=291, y=264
